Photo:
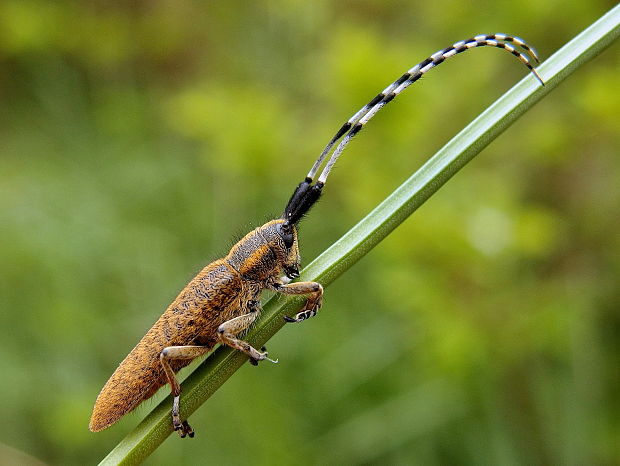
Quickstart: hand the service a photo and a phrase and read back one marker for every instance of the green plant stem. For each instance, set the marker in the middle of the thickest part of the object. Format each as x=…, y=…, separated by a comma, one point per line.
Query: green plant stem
x=223, y=362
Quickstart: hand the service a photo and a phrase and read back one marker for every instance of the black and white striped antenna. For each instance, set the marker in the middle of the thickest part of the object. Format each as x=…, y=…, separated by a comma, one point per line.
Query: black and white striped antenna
x=306, y=194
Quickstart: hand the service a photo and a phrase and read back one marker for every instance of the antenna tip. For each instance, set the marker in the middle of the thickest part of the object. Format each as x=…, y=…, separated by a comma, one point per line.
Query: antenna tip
x=538, y=76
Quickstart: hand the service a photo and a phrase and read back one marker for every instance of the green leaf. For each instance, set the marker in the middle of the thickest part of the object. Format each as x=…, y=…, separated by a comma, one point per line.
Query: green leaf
x=223, y=362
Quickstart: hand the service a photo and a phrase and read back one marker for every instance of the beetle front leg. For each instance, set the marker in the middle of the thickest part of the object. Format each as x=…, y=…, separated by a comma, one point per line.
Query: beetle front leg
x=227, y=334
x=313, y=304
x=179, y=352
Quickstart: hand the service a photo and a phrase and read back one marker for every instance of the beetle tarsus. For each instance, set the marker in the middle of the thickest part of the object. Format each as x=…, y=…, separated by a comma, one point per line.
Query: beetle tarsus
x=187, y=429
x=262, y=357
x=183, y=428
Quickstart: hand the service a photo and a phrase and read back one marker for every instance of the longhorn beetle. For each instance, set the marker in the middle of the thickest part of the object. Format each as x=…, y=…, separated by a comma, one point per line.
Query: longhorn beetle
x=223, y=300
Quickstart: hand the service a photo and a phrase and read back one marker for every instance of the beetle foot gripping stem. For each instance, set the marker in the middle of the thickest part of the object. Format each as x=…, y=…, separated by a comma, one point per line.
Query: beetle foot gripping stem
x=311, y=308
x=184, y=429
x=313, y=304
x=181, y=427
x=301, y=316
x=263, y=357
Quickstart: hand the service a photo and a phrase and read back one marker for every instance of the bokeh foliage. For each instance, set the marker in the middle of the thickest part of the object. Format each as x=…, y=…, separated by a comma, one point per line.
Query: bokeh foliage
x=138, y=140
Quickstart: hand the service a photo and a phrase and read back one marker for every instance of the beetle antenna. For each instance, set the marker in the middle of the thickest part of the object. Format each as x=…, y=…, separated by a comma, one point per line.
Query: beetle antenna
x=307, y=194
x=304, y=197
x=357, y=121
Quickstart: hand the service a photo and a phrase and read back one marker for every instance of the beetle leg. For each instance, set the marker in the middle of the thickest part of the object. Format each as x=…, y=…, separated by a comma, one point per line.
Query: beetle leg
x=313, y=304
x=178, y=352
x=227, y=334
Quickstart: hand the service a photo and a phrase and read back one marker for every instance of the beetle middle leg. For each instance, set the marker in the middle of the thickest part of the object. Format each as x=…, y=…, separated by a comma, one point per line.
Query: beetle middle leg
x=313, y=304
x=179, y=352
x=227, y=334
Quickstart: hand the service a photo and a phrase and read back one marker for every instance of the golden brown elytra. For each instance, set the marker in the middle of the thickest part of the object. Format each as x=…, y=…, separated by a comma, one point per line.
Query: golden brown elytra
x=218, y=304
x=223, y=299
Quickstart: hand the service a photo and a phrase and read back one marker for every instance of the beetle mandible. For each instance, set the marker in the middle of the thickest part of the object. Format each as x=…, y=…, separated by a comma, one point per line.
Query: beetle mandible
x=223, y=300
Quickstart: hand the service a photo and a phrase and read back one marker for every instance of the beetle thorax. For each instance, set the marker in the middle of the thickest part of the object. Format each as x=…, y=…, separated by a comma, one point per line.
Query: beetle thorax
x=264, y=254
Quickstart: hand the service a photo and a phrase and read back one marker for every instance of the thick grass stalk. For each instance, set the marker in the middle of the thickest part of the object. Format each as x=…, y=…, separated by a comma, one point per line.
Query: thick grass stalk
x=223, y=362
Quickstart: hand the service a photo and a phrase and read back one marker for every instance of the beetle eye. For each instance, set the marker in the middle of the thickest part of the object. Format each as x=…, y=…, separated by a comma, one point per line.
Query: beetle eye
x=287, y=235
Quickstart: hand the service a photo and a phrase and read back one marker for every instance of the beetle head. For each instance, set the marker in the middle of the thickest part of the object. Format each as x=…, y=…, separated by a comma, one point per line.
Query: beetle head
x=288, y=234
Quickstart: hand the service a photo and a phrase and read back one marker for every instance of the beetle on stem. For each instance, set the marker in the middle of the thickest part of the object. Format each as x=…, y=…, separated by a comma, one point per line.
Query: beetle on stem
x=223, y=300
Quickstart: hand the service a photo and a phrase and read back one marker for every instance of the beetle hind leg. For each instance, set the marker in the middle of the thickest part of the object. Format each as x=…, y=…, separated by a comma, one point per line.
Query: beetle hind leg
x=179, y=352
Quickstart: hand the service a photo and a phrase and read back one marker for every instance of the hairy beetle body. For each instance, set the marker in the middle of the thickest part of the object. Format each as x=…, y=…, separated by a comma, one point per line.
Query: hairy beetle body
x=224, y=290
x=211, y=298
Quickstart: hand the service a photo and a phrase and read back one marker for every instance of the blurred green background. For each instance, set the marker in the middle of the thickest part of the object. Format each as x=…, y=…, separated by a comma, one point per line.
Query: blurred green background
x=138, y=140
